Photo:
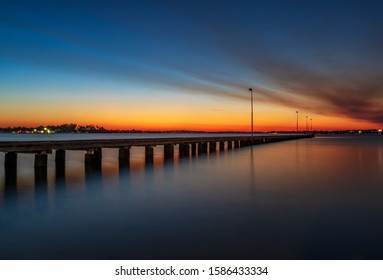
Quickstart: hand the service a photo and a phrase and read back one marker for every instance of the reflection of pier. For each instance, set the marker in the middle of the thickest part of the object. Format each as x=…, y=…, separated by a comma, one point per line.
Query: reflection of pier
x=93, y=150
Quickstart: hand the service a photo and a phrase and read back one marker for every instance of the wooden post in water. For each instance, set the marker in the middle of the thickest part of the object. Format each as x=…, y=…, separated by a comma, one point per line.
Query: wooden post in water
x=41, y=160
x=10, y=178
x=92, y=163
x=184, y=150
x=149, y=154
x=41, y=168
x=193, y=149
x=98, y=158
x=202, y=148
x=169, y=152
x=89, y=157
x=236, y=144
x=60, y=157
x=124, y=157
x=221, y=146
x=60, y=164
x=10, y=165
x=212, y=147
x=10, y=160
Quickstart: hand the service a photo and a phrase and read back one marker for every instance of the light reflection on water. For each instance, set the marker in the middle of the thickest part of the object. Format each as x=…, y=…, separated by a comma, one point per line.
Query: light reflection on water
x=306, y=199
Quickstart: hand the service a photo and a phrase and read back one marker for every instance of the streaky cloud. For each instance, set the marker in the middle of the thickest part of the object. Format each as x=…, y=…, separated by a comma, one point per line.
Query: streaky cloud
x=325, y=57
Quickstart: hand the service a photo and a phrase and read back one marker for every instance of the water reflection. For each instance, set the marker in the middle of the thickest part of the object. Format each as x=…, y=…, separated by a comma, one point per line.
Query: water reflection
x=306, y=199
x=73, y=171
x=41, y=176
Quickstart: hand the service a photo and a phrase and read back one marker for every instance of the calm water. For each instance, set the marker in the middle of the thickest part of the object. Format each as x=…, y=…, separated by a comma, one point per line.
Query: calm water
x=316, y=198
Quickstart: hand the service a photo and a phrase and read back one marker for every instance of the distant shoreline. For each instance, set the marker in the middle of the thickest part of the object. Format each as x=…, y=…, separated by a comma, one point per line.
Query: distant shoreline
x=318, y=133
x=75, y=128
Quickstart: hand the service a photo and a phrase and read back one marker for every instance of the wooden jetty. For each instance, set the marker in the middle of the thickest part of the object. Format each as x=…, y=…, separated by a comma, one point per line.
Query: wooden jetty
x=187, y=146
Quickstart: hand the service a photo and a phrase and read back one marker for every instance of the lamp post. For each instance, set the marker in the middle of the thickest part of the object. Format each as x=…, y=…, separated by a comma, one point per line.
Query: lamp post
x=297, y=120
x=311, y=120
x=307, y=124
x=251, y=93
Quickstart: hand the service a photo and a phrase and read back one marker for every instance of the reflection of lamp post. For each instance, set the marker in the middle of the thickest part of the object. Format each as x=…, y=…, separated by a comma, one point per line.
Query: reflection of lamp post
x=297, y=120
x=251, y=92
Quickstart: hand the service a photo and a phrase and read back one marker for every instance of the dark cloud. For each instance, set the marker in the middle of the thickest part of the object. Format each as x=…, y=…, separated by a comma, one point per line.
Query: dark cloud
x=356, y=94
x=330, y=66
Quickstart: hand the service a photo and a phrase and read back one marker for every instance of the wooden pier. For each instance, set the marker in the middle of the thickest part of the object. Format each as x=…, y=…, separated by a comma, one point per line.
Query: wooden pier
x=187, y=146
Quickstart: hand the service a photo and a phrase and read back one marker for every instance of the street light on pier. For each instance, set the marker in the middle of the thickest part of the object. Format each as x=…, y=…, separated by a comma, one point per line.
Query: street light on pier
x=297, y=120
x=251, y=93
x=307, y=124
x=311, y=120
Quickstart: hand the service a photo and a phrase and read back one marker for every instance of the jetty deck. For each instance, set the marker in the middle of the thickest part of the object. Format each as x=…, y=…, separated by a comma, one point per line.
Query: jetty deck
x=187, y=146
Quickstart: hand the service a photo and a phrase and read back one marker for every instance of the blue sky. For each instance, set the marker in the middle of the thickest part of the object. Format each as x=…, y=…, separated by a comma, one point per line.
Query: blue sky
x=321, y=57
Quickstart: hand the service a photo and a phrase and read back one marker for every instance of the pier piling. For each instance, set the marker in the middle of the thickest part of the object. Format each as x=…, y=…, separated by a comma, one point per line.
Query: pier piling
x=60, y=164
x=124, y=157
x=149, y=154
x=212, y=147
x=89, y=157
x=41, y=160
x=60, y=157
x=236, y=144
x=169, y=152
x=93, y=160
x=10, y=160
x=93, y=148
x=11, y=177
x=41, y=176
x=10, y=165
x=221, y=146
x=184, y=150
x=202, y=148
x=193, y=147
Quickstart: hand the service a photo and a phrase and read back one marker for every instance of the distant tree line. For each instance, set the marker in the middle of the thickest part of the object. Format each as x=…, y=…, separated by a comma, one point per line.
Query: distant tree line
x=63, y=128
x=75, y=128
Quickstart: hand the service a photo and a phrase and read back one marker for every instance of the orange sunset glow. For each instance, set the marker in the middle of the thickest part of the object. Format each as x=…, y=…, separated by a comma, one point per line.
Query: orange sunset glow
x=202, y=119
x=135, y=76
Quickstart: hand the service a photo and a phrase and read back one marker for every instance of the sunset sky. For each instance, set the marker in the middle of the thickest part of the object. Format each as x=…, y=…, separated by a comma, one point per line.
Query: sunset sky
x=189, y=64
